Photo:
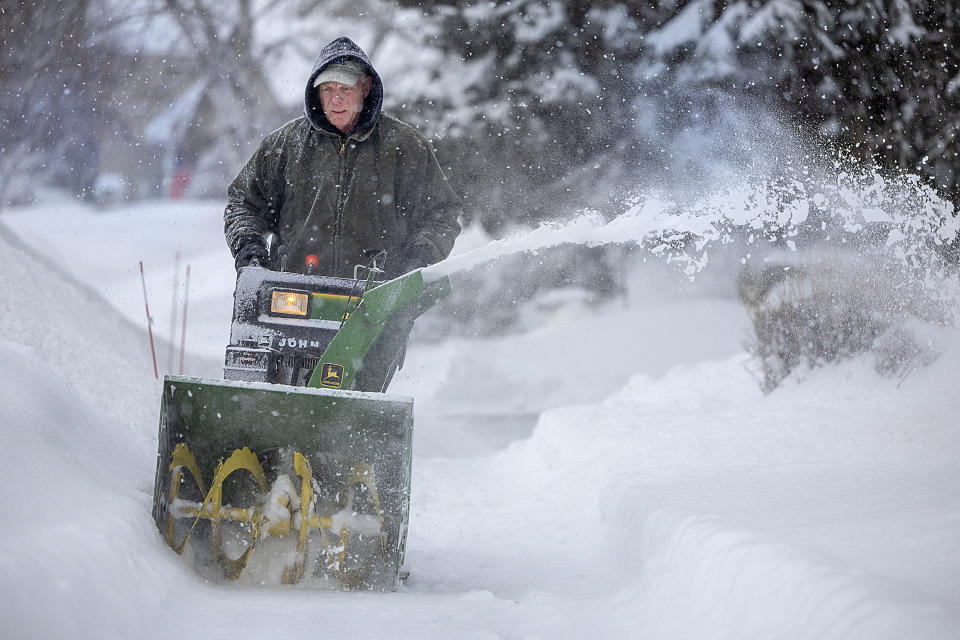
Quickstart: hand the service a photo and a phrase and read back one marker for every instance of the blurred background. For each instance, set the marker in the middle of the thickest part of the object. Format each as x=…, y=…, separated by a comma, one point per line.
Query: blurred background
x=537, y=108
x=540, y=110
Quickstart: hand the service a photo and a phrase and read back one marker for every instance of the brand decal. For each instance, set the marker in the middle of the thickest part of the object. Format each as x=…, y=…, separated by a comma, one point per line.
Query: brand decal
x=331, y=375
x=297, y=343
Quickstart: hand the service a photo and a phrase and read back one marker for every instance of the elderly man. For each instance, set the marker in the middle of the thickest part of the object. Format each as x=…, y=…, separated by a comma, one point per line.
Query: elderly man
x=341, y=180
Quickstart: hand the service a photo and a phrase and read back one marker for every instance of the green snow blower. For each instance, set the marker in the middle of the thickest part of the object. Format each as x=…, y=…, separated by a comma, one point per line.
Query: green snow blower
x=297, y=465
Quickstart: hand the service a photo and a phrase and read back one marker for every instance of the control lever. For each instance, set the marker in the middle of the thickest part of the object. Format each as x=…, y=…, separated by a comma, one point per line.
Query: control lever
x=374, y=266
x=376, y=258
x=312, y=263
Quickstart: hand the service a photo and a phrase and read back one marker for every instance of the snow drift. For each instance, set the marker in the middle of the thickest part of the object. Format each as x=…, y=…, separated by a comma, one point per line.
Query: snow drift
x=650, y=490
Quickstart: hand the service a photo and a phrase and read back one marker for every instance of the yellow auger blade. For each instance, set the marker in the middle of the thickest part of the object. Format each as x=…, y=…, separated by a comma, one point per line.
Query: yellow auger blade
x=181, y=458
x=212, y=506
x=240, y=459
x=363, y=474
x=292, y=575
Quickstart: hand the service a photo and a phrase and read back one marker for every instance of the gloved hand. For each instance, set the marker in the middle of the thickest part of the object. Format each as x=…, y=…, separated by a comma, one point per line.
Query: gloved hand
x=250, y=249
x=418, y=256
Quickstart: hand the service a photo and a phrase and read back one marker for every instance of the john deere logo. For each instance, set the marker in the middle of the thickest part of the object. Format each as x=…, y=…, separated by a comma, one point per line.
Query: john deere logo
x=331, y=375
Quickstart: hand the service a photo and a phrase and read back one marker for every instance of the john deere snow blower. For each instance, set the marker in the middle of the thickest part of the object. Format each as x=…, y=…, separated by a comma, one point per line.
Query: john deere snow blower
x=297, y=465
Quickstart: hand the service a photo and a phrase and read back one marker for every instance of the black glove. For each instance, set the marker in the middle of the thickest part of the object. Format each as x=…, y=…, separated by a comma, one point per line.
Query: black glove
x=248, y=249
x=417, y=257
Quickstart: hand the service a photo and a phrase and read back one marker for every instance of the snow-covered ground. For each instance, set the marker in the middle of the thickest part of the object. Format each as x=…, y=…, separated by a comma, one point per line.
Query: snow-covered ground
x=612, y=472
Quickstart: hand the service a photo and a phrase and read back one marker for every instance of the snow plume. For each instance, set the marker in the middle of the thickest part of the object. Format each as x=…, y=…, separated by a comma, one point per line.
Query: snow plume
x=830, y=258
x=844, y=207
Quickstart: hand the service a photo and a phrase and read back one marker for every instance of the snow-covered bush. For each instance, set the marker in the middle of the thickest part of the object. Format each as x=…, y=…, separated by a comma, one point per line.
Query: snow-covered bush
x=824, y=309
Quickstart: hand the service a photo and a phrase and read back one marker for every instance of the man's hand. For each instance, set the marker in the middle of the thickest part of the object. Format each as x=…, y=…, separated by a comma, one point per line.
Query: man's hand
x=250, y=252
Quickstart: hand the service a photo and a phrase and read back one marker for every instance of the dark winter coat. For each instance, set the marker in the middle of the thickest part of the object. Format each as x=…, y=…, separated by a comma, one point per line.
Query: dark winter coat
x=336, y=196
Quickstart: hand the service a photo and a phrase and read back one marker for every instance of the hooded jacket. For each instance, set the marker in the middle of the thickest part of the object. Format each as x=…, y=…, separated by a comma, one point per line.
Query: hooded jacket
x=336, y=196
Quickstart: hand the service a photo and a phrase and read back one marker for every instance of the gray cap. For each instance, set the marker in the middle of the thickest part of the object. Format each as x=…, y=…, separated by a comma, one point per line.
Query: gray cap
x=347, y=72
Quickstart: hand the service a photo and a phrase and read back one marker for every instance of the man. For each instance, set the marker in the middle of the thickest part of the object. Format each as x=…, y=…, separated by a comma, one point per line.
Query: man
x=341, y=180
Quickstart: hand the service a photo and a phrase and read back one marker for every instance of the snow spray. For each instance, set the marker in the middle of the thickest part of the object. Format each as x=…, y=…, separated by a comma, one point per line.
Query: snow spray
x=843, y=206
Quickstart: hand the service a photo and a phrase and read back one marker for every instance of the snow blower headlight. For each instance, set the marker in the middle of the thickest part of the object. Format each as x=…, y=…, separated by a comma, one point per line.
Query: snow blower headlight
x=289, y=303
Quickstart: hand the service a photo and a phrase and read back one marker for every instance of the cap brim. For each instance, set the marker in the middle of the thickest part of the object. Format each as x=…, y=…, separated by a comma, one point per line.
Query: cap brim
x=337, y=73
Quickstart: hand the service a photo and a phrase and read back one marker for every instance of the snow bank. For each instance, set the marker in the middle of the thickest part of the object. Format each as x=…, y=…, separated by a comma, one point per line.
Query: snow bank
x=815, y=512
x=103, y=248
x=78, y=430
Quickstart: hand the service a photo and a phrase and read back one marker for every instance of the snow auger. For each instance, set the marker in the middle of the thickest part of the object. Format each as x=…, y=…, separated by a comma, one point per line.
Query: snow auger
x=297, y=465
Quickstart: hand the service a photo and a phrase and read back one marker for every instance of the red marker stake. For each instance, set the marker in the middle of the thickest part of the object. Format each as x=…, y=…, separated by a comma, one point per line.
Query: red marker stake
x=149, y=322
x=173, y=311
x=183, y=332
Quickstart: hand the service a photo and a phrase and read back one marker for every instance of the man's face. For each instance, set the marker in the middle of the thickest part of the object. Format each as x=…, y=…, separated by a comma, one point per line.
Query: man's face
x=342, y=104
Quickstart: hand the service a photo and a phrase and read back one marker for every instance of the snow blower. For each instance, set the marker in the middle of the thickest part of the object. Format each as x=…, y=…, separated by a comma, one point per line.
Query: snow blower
x=296, y=465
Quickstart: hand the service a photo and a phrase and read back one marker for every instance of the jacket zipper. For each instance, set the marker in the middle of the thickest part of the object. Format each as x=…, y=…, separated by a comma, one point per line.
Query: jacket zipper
x=341, y=197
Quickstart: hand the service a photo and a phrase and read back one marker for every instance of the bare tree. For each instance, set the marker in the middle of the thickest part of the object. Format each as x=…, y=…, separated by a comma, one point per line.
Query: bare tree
x=51, y=96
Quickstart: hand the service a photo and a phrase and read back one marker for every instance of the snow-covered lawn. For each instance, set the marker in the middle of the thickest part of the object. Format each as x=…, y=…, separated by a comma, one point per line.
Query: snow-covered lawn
x=610, y=473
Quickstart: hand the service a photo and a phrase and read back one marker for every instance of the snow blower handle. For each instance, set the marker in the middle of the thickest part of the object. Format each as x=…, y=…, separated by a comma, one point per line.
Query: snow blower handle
x=399, y=301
